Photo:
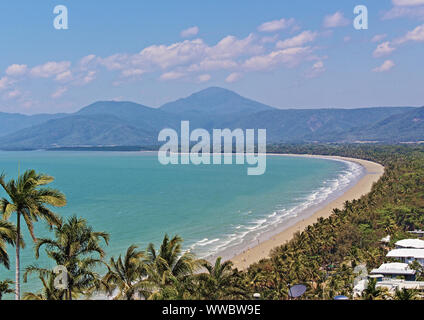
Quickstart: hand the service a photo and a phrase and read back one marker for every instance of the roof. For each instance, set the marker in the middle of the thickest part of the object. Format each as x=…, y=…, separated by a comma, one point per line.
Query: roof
x=394, y=268
x=401, y=284
x=411, y=243
x=406, y=253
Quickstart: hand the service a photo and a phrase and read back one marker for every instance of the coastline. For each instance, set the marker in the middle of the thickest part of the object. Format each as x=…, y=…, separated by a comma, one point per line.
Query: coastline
x=373, y=172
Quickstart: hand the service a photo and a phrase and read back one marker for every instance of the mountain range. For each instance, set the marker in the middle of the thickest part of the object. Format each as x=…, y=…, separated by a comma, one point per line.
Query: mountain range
x=116, y=123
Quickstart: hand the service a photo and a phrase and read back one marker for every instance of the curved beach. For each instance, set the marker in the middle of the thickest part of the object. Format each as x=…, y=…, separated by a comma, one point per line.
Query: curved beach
x=373, y=172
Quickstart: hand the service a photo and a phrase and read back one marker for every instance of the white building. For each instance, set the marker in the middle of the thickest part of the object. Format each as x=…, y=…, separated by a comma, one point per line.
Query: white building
x=393, y=270
x=408, y=255
x=410, y=244
x=394, y=284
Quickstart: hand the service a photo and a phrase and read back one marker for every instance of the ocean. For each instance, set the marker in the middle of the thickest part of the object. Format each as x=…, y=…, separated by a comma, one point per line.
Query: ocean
x=216, y=209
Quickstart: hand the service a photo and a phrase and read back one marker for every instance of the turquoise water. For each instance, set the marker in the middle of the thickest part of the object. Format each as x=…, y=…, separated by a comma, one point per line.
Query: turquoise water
x=214, y=208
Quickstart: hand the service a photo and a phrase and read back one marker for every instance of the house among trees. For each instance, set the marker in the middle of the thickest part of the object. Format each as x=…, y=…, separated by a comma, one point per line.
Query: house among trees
x=394, y=270
x=410, y=244
x=408, y=255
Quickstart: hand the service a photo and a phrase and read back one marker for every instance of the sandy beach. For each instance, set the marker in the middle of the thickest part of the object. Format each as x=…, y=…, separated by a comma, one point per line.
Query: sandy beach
x=373, y=172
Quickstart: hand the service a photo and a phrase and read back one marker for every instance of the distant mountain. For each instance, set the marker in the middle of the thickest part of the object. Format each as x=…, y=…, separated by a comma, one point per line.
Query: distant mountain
x=113, y=123
x=324, y=125
x=404, y=127
x=137, y=115
x=214, y=101
x=90, y=130
x=11, y=122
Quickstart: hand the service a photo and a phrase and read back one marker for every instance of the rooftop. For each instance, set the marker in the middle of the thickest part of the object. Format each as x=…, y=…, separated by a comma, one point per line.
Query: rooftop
x=394, y=268
x=406, y=253
x=411, y=243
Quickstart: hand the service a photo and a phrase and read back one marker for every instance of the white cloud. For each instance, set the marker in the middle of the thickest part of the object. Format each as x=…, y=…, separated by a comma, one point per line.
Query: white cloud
x=209, y=64
x=408, y=3
x=64, y=76
x=132, y=73
x=173, y=75
x=204, y=77
x=168, y=56
x=379, y=37
x=59, y=92
x=416, y=35
x=386, y=66
x=269, y=39
x=383, y=49
x=5, y=82
x=13, y=94
x=16, y=69
x=289, y=57
x=115, y=62
x=231, y=47
x=50, y=69
x=233, y=77
x=316, y=69
x=276, y=25
x=86, y=61
x=336, y=20
x=404, y=12
x=190, y=32
x=297, y=41
x=89, y=77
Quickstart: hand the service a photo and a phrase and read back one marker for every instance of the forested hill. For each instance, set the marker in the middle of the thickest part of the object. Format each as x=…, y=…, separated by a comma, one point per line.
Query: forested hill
x=325, y=255
x=119, y=123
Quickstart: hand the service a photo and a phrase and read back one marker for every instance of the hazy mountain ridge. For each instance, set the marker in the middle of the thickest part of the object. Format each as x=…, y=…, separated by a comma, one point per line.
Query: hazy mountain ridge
x=112, y=123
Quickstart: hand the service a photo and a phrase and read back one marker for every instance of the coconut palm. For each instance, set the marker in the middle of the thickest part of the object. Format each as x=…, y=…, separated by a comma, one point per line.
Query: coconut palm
x=172, y=288
x=49, y=291
x=372, y=292
x=28, y=199
x=76, y=247
x=125, y=274
x=167, y=269
x=405, y=294
x=8, y=235
x=170, y=258
x=219, y=281
x=5, y=287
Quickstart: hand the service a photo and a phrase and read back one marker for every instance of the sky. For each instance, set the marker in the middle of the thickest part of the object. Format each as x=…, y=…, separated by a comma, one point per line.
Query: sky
x=288, y=54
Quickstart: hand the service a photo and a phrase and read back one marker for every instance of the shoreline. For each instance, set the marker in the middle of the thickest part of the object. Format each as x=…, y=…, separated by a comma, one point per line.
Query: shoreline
x=373, y=173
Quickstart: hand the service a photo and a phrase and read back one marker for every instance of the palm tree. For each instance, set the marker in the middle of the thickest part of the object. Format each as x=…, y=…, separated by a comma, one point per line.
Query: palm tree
x=49, y=291
x=8, y=235
x=75, y=247
x=219, y=282
x=125, y=274
x=405, y=294
x=170, y=258
x=4, y=287
x=28, y=199
x=167, y=268
x=372, y=292
x=172, y=288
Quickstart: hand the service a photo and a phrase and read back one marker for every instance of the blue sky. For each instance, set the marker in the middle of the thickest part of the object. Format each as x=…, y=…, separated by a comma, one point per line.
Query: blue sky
x=289, y=54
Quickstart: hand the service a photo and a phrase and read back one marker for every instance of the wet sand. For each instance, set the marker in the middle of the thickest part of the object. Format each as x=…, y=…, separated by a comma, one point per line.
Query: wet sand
x=373, y=172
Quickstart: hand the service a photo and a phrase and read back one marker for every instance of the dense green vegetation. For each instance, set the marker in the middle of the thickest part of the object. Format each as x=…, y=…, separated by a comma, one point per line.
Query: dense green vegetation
x=323, y=257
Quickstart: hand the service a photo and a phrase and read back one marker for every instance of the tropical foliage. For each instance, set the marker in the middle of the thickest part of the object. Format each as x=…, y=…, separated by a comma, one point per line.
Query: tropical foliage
x=323, y=256
x=29, y=200
x=77, y=248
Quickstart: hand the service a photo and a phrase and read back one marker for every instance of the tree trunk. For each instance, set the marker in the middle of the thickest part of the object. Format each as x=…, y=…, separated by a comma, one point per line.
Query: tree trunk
x=69, y=293
x=18, y=261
